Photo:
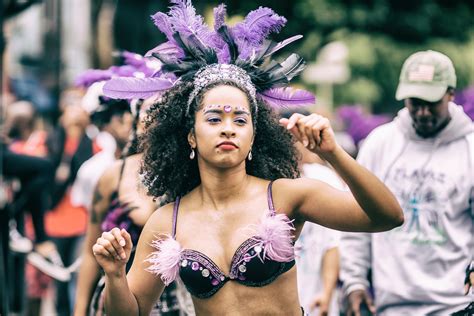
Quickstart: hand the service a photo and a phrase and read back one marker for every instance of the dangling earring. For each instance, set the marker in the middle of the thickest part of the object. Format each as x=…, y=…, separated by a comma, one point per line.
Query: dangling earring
x=192, y=154
x=250, y=155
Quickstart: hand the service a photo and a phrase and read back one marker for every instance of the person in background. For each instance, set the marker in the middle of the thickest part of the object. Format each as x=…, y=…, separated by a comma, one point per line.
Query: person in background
x=114, y=122
x=26, y=158
x=426, y=157
x=317, y=259
x=119, y=201
x=69, y=147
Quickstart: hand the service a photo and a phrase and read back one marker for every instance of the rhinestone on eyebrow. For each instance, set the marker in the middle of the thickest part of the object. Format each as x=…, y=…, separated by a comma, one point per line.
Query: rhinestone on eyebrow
x=227, y=108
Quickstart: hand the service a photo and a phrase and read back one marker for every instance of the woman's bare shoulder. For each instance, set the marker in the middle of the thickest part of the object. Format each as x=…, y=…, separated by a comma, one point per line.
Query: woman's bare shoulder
x=292, y=186
x=288, y=194
x=161, y=221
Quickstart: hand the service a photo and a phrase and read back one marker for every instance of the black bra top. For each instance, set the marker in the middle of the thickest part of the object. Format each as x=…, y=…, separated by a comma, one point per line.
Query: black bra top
x=249, y=266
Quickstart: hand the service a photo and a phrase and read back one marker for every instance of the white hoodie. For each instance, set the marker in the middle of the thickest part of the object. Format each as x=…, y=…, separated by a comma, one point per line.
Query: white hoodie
x=89, y=173
x=418, y=269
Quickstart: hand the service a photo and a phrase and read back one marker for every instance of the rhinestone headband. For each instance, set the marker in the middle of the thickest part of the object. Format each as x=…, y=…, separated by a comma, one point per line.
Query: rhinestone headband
x=220, y=73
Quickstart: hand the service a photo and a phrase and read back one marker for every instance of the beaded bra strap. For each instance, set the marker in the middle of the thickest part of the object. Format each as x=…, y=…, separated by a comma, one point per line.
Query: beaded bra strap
x=175, y=216
x=270, y=199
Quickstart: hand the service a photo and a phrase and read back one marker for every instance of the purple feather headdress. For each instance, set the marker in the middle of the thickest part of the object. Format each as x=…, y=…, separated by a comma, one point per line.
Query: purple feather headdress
x=192, y=46
x=146, y=73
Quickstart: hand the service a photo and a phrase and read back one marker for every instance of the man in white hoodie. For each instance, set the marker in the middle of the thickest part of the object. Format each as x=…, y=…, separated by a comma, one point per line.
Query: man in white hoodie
x=426, y=157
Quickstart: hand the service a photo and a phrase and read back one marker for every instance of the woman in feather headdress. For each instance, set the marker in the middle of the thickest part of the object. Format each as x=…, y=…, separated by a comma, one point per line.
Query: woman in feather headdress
x=119, y=198
x=216, y=149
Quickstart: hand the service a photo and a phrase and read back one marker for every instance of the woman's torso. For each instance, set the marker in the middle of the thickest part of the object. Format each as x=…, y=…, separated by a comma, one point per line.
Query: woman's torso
x=218, y=234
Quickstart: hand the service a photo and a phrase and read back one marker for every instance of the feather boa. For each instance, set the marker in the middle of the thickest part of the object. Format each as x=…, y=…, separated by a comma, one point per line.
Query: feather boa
x=274, y=234
x=165, y=261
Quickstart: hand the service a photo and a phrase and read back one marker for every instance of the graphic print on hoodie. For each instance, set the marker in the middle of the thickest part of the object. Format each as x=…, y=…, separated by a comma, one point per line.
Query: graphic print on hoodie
x=431, y=179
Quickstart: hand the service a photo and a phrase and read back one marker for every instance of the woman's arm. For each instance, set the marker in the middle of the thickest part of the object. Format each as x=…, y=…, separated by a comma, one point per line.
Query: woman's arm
x=330, y=271
x=371, y=206
x=136, y=293
x=89, y=272
x=329, y=274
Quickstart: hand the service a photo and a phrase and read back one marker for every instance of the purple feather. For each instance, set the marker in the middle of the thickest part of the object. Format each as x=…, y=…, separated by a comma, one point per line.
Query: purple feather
x=168, y=51
x=165, y=261
x=168, y=75
x=258, y=24
x=223, y=56
x=143, y=71
x=287, y=97
x=186, y=22
x=149, y=69
x=162, y=22
x=123, y=71
x=136, y=88
x=219, y=16
x=133, y=59
x=136, y=66
x=217, y=43
x=90, y=76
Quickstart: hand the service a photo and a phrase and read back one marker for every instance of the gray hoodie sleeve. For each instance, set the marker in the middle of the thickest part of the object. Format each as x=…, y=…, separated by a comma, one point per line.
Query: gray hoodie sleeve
x=356, y=256
x=355, y=250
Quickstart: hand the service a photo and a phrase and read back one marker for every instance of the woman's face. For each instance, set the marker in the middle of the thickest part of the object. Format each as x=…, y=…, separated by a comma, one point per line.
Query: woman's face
x=223, y=132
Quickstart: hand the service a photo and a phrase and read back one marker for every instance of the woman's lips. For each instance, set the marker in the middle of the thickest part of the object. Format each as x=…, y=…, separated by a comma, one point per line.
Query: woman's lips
x=227, y=146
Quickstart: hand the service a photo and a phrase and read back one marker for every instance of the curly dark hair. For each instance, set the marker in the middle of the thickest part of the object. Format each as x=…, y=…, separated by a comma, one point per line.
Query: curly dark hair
x=167, y=168
x=133, y=144
x=107, y=109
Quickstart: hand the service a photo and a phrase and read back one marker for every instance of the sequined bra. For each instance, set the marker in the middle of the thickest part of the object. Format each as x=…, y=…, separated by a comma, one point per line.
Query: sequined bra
x=258, y=261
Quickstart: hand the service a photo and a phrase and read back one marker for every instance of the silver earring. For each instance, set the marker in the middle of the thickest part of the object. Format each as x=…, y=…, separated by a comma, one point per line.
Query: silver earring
x=192, y=154
x=250, y=155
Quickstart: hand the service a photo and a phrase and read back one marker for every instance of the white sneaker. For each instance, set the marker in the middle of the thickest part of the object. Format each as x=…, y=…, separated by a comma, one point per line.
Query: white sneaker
x=19, y=243
x=50, y=266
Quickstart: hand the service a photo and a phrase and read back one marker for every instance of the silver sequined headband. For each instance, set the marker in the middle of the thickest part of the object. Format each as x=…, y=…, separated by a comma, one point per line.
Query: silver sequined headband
x=221, y=73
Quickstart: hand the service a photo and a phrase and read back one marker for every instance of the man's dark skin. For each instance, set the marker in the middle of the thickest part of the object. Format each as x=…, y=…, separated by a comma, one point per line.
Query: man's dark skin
x=429, y=118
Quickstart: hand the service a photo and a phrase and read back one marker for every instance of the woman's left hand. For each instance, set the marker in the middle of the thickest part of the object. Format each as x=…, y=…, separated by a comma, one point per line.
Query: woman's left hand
x=322, y=303
x=313, y=131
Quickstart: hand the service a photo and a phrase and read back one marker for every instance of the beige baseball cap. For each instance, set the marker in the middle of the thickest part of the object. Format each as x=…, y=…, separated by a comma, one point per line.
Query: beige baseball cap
x=426, y=75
